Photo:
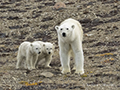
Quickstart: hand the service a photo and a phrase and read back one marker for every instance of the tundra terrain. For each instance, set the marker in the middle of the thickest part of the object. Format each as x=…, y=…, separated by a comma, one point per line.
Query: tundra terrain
x=30, y=20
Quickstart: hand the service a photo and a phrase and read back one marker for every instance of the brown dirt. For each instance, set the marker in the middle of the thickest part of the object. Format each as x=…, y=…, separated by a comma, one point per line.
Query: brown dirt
x=36, y=19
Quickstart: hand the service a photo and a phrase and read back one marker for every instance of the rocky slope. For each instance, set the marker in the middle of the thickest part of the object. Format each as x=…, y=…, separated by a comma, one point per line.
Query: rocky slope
x=22, y=20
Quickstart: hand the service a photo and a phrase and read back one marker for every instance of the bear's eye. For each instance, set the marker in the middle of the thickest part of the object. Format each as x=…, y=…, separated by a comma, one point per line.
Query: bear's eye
x=67, y=28
x=47, y=48
x=36, y=48
x=61, y=29
x=50, y=48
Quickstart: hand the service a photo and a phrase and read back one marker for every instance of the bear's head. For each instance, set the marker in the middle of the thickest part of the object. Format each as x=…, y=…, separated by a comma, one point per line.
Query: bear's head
x=65, y=30
x=48, y=47
x=36, y=48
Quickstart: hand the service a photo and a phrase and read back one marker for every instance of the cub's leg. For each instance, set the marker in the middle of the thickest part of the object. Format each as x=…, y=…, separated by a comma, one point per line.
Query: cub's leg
x=33, y=61
x=28, y=61
x=19, y=61
x=48, y=61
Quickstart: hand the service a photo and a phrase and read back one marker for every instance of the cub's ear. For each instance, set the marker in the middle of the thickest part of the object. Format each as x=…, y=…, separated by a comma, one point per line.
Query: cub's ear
x=73, y=26
x=43, y=44
x=56, y=27
x=31, y=44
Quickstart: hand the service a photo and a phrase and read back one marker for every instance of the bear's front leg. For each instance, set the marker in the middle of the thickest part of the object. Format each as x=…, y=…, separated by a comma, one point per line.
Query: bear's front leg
x=37, y=61
x=65, y=59
x=33, y=61
x=28, y=63
x=79, y=63
x=79, y=57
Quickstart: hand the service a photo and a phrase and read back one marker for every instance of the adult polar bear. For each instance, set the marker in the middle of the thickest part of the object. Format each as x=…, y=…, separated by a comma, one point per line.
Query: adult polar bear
x=70, y=35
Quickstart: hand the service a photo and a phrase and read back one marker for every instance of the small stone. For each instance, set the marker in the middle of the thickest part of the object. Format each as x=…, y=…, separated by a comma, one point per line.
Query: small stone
x=84, y=75
x=86, y=12
x=88, y=35
x=115, y=27
x=98, y=20
x=59, y=5
x=88, y=6
x=47, y=74
x=1, y=88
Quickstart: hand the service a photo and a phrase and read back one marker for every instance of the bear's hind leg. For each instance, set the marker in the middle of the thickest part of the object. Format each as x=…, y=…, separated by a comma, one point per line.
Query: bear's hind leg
x=28, y=61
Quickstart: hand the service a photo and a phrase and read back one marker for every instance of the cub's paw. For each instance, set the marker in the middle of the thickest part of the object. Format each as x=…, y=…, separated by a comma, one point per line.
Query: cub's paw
x=79, y=72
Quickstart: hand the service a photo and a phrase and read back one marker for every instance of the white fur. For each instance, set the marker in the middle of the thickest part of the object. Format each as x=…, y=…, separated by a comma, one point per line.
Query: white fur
x=29, y=53
x=70, y=35
x=47, y=52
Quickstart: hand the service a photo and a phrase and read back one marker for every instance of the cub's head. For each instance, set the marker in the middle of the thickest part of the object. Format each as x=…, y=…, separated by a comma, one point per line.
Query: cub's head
x=48, y=47
x=36, y=48
x=65, y=30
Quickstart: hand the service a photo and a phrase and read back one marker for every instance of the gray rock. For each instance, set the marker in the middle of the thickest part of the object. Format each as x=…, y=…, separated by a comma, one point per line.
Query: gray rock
x=47, y=74
x=1, y=88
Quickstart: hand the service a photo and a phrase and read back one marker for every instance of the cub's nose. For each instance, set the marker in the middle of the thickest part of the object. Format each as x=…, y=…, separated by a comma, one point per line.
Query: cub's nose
x=39, y=52
x=64, y=34
x=49, y=52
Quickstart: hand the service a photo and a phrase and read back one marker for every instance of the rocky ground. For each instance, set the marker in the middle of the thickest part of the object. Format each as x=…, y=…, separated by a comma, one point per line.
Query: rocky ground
x=22, y=20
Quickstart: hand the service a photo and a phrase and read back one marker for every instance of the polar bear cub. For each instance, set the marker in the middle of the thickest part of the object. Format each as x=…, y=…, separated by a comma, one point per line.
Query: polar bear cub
x=70, y=35
x=29, y=53
x=47, y=52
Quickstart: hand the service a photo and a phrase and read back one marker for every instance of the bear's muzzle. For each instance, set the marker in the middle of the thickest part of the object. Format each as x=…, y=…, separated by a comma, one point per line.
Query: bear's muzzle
x=39, y=52
x=64, y=34
x=49, y=52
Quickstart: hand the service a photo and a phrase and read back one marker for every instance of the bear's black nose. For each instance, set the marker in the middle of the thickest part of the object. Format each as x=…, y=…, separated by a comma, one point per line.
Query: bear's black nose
x=49, y=52
x=39, y=52
x=64, y=34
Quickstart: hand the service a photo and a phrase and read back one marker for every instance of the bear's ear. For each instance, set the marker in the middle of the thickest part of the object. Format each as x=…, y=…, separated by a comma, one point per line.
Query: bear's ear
x=73, y=26
x=53, y=43
x=56, y=27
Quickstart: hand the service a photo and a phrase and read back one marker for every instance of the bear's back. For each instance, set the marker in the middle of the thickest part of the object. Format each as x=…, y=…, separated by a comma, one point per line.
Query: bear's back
x=24, y=45
x=70, y=20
